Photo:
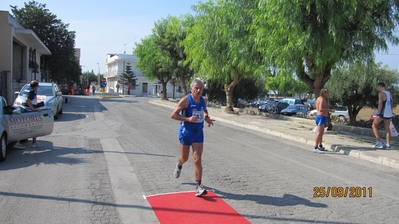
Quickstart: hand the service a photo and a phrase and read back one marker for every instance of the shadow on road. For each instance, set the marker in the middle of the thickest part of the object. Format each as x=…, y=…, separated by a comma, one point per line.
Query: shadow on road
x=48, y=154
x=65, y=117
x=191, y=210
x=348, y=148
x=286, y=200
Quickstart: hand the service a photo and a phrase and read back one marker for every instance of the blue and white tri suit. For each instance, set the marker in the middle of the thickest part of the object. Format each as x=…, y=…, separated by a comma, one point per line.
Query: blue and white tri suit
x=190, y=132
x=386, y=110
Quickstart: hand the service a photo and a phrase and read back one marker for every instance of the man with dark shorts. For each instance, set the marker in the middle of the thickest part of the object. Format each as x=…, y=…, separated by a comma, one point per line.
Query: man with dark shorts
x=385, y=114
x=321, y=120
x=31, y=104
x=191, y=112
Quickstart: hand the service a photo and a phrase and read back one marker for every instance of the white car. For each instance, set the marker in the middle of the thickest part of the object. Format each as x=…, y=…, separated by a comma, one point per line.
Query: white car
x=16, y=126
x=340, y=112
x=49, y=93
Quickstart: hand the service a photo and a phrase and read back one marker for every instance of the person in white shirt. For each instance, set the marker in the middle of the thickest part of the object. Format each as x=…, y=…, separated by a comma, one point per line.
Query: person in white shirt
x=385, y=114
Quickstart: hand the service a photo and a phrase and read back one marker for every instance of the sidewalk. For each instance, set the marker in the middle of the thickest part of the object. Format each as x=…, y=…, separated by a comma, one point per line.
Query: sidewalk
x=301, y=130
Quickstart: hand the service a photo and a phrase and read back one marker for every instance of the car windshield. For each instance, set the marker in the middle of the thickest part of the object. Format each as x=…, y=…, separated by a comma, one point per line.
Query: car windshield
x=43, y=90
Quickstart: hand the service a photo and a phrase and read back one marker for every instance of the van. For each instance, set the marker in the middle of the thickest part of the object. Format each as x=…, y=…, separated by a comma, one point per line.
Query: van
x=291, y=101
x=284, y=103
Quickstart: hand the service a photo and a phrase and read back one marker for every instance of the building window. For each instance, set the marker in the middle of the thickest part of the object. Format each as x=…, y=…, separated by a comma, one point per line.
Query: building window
x=145, y=87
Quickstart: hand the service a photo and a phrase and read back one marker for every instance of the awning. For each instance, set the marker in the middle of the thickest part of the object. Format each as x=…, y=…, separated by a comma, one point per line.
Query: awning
x=29, y=37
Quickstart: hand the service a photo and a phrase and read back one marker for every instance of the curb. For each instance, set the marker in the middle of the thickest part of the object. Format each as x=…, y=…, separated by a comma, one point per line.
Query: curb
x=338, y=149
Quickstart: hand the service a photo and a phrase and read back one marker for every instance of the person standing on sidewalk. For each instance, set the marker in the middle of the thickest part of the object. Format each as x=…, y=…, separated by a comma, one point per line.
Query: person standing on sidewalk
x=93, y=89
x=191, y=112
x=321, y=120
x=385, y=114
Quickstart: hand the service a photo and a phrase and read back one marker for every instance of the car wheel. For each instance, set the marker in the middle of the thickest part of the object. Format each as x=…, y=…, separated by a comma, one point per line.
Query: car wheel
x=341, y=117
x=3, y=148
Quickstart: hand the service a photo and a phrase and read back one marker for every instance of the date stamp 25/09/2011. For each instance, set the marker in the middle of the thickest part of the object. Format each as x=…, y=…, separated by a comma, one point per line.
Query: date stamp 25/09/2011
x=342, y=192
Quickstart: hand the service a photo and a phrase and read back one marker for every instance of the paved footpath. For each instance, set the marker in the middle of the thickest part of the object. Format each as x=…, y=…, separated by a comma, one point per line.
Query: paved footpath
x=355, y=142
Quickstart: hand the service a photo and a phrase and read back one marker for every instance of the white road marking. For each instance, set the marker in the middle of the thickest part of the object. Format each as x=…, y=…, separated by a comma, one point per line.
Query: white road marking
x=126, y=187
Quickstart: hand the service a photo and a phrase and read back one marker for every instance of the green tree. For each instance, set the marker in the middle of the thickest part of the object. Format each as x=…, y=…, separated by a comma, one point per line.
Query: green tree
x=88, y=77
x=355, y=86
x=311, y=37
x=151, y=63
x=171, y=42
x=61, y=66
x=128, y=76
x=220, y=46
x=249, y=89
x=285, y=84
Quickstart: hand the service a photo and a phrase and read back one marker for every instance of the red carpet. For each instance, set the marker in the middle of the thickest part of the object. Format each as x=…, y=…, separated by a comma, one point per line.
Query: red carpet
x=179, y=208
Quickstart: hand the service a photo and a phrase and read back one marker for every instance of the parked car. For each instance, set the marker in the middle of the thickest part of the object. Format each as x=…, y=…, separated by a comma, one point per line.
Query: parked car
x=281, y=106
x=284, y=103
x=294, y=109
x=257, y=103
x=272, y=106
x=16, y=126
x=80, y=91
x=340, y=112
x=49, y=93
x=66, y=90
x=240, y=103
x=290, y=101
x=263, y=107
x=374, y=115
x=310, y=104
x=269, y=106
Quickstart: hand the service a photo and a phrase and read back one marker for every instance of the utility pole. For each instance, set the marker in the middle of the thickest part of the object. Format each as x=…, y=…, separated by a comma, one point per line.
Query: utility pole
x=98, y=76
x=123, y=81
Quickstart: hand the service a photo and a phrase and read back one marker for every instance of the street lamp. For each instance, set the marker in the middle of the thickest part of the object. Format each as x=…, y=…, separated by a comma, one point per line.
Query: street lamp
x=99, y=76
x=99, y=73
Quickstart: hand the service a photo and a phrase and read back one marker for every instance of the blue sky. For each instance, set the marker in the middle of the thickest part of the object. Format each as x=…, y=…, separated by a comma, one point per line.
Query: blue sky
x=104, y=27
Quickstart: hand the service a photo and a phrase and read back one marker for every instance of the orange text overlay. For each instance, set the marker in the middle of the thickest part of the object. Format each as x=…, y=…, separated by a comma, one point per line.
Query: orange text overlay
x=342, y=192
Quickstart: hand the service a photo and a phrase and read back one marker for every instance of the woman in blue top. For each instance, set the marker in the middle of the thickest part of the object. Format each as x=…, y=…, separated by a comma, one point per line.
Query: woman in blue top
x=191, y=112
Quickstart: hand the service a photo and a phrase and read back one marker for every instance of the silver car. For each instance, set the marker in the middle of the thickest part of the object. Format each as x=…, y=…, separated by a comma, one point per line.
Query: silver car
x=49, y=93
x=16, y=126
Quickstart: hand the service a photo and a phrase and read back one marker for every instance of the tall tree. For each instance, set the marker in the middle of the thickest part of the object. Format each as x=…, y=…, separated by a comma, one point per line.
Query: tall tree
x=354, y=85
x=220, y=46
x=249, y=89
x=128, y=76
x=285, y=84
x=151, y=63
x=310, y=37
x=175, y=33
x=88, y=77
x=55, y=35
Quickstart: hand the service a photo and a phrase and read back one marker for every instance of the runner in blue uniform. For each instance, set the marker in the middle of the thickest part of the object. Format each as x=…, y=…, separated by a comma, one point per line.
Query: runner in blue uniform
x=384, y=114
x=191, y=112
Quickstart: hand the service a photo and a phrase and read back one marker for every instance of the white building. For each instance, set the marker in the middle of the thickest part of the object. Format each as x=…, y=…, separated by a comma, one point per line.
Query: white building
x=20, y=51
x=115, y=67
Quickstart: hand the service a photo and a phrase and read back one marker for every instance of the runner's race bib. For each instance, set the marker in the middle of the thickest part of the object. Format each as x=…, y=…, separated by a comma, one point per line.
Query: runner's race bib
x=200, y=115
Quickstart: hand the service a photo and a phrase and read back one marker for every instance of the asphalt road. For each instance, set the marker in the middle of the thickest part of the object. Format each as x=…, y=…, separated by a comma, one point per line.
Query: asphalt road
x=104, y=155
